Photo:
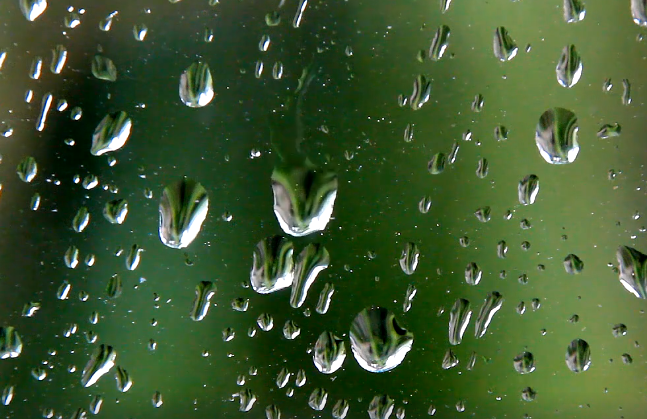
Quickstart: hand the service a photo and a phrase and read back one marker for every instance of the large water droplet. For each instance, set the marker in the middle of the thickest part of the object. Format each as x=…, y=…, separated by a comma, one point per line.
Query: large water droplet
x=27, y=169
x=409, y=258
x=379, y=344
x=196, y=85
x=569, y=67
x=632, y=266
x=491, y=305
x=556, y=136
x=329, y=353
x=204, y=292
x=504, y=46
x=317, y=399
x=439, y=43
x=273, y=265
x=111, y=133
x=528, y=189
x=574, y=11
x=381, y=407
x=578, y=355
x=33, y=9
x=183, y=208
x=313, y=259
x=10, y=343
x=101, y=361
x=304, y=198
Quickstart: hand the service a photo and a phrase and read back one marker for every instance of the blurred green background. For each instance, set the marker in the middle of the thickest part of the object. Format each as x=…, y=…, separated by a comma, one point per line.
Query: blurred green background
x=578, y=209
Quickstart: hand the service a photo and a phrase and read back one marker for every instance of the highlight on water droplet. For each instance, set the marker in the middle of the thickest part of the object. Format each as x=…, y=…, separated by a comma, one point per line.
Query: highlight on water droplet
x=182, y=210
x=639, y=12
x=439, y=43
x=33, y=9
x=504, y=46
x=111, y=133
x=632, y=265
x=329, y=353
x=409, y=258
x=313, y=259
x=102, y=360
x=196, y=85
x=569, y=67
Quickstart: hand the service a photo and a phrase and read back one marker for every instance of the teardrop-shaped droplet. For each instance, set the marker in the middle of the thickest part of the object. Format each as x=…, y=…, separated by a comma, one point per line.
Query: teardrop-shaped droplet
x=421, y=92
x=569, y=67
x=459, y=319
x=114, y=287
x=556, y=136
x=578, y=355
x=27, y=169
x=381, y=407
x=491, y=305
x=103, y=68
x=273, y=265
x=379, y=344
x=59, y=57
x=450, y=360
x=272, y=18
x=247, y=398
x=340, y=409
x=33, y=9
x=183, y=208
x=325, y=297
x=8, y=395
x=574, y=11
x=473, y=274
x=123, y=380
x=329, y=353
x=504, y=46
x=81, y=220
x=277, y=70
x=115, y=211
x=439, y=43
x=409, y=258
x=528, y=190
x=313, y=259
x=632, y=267
x=437, y=163
x=304, y=199
x=139, y=32
x=111, y=133
x=102, y=360
x=204, y=292
x=317, y=399
x=196, y=85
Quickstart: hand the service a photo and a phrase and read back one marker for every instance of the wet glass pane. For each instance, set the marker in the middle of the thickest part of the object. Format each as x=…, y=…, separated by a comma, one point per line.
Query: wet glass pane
x=299, y=208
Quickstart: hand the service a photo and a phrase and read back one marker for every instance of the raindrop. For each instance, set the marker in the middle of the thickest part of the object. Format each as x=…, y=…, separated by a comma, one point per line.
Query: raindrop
x=196, y=85
x=504, y=46
x=317, y=399
x=329, y=353
x=491, y=305
x=313, y=259
x=409, y=258
x=578, y=355
x=609, y=130
x=574, y=11
x=632, y=266
x=182, y=210
x=573, y=264
x=204, y=292
x=116, y=211
x=439, y=43
x=101, y=361
x=273, y=265
x=103, y=68
x=528, y=190
x=111, y=133
x=524, y=363
x=556, y=136
x=459, y=319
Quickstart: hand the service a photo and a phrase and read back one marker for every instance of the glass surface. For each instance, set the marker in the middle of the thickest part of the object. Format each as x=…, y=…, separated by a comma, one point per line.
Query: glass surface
x=322, y=208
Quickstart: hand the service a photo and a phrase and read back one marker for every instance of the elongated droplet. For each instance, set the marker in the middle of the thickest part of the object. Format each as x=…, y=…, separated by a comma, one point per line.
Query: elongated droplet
x=317, y=399
x=59, y=57
x=204, y=292
x=329, y=353
x=609, y=130
x=569, y=67
x=578, y=356
x=626, y=92
x=304, y=199
x=277, y=70
x=247, y=398
x=81, y=220
x=444, y=5
x=378, y=342
x=459, y=319
x=45, y=105
x=528, y=190
x=102, y=360
x=473, y=274
x=114, y=287
x=421, y=92
x=325, y=298
x=183, y=208
x=10, y=343
x=103, y=68
x=439, y=43
x=437, y=163
x=95, y=404
x=450, y=360
x=340, y=409
x=139, y=32
x=111, y=133
x=313, y=259
x=556, y=136
x=632, y=266
x=33, y=9
x=296, y=22
x=504, y=46
x=408, y=297
x=273, y=265
x=574, y=11
x=409, y=258
x=123, y=380
x=8, y=394
x=116, y=211
x=196, y=85
x=639, y=12
x=134, y=257
x=491, y=305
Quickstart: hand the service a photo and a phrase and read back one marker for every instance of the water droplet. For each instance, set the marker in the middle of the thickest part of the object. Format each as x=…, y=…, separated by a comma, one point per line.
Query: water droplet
x=626, y=92
x=313, y=259
x=379, y=344
x=264, y=43
x=381, y=407
x=204, y=292
x=123, y=380
x=408, y=297
x=272, y=411
x=609, y=130
x=81, y=219
x=437, y=163
x=7, y=395
x=421, y=92
x=573, y=264
x=300, y=379
x=272, y=19
x=471, y=362
x=638, y=12
x=482, y=168
x=569, y=67
x=424, y=205
x=33, y=9
x=459, y=318
x=27, y=169
x=134, y=257
x=291, y=330
x=95, y=404
x=578, y=355
x=140, y=31
x=45, y=104
x=619, y=330
x=340, y=409
x=228, y=334
x=247, y=399
x=408, y=133
x=453, y=153
x=528, y=394
x=439, y=43
x=632, y=266
x=116, y=211
x=240, y=304
x=574, y=11
x=556, y=136
x=182, y=210
x=477, y=103
x=59, y=57
x=528, y=190
x=283, y=378
x=103, y=68
x=277, y=70
x=111, y=133
x=504, y=46
x=491, y=305
x=196, y=85
x=329, y=353
x=325, y=297
x=114, y=287
x=265, y=322
x=273, y=265
x=409, y=258
x=501, y=249
x=500, y=133
x=450, y=360
x=10, y=343
x=101, y=361
x=524, y=363
x=483, y=214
